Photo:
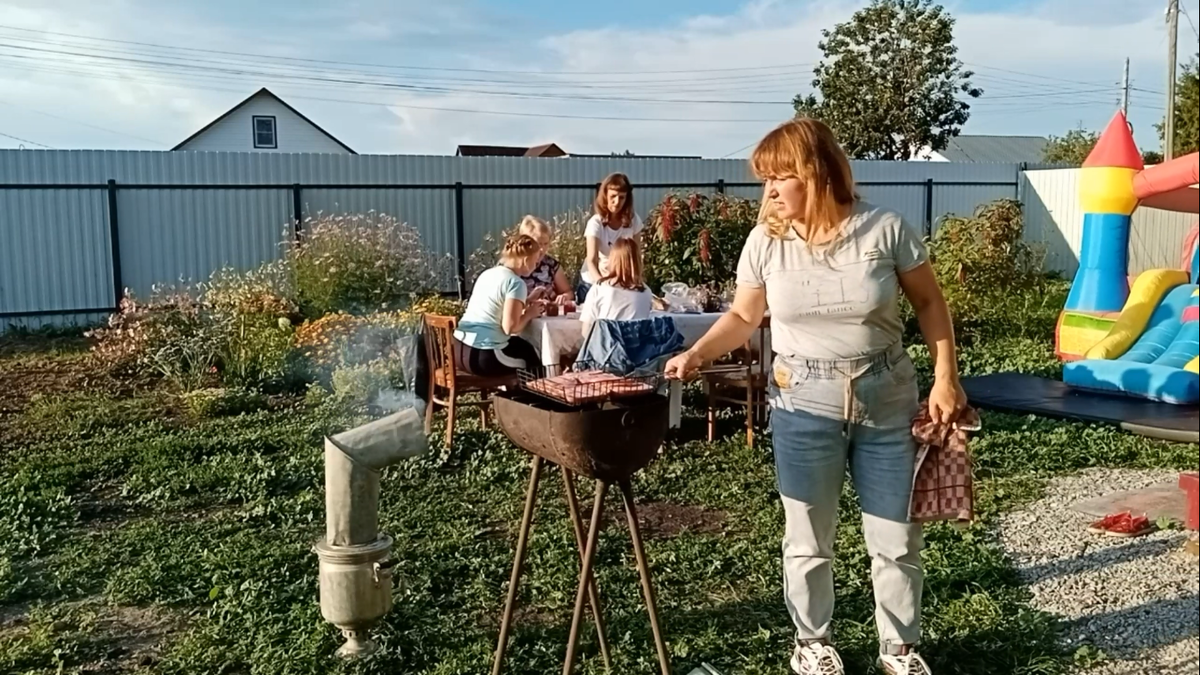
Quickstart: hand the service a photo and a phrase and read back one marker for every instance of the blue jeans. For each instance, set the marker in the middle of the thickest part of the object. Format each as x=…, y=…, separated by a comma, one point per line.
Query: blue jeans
x=825, y=415
x=581, y=292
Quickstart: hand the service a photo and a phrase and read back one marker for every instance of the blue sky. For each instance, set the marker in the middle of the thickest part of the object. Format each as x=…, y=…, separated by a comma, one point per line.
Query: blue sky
x=492, y=71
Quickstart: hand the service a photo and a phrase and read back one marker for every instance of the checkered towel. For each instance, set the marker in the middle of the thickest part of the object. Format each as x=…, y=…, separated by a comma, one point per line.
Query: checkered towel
x=943, y=484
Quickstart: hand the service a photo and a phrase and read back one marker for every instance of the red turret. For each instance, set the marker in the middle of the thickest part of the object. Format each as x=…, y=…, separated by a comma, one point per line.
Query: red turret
x=1116, y=148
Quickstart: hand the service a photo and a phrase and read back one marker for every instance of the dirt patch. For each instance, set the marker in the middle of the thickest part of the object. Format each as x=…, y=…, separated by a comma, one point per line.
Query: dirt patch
x=659, y=520
x=663, y=520
x=138, y=635
x=525, y=617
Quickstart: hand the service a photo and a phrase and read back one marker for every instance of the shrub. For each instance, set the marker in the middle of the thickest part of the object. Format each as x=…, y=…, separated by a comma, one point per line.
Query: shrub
x=253, y=315
x=360, y=263
x=220, y=402
x=993, y=279
x=697, y=239
x=569, y=247
x=170, y=335
x=343, y=340
x=360, y=385
x=439, y=305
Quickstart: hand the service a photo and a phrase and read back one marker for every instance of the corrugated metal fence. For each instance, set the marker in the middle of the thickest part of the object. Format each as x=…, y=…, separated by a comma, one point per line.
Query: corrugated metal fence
x=79, y=227
x=1054, y=220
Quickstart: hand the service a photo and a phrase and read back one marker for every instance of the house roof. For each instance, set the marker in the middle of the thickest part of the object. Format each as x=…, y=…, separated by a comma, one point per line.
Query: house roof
x=544, y=150
x=264, y=92
x=1002, y=149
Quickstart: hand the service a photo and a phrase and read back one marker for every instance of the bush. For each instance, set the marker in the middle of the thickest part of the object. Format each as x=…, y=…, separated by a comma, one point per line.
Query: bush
x=360, y=385
x=992, y=279
x=219, y=402
x=361, y=263
x=697, y=239
x=171, y=336
x=343, y=340
x=253, y=315
x=569, y=246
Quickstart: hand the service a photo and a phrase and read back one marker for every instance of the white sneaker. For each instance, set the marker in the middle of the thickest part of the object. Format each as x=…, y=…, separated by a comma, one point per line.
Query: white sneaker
x=816, y=659
x=909, y=664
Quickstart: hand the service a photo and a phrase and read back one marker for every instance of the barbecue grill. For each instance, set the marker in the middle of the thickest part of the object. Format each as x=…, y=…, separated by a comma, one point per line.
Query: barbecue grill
x=602, y=427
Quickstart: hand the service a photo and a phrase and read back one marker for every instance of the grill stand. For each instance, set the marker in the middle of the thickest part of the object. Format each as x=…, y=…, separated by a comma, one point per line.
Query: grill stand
x=587, y=589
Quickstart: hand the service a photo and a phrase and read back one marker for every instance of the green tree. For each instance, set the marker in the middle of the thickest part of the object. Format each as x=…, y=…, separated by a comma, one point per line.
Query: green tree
x=1074, y=147
x=890, y=82
x=1187, y=110
x=1070, y=148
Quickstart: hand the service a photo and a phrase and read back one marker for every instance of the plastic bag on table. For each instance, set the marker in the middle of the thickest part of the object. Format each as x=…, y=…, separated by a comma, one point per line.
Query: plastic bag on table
x=681, y=299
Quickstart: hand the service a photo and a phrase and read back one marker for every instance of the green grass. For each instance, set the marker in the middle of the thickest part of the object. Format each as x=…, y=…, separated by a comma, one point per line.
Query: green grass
x=109, y=503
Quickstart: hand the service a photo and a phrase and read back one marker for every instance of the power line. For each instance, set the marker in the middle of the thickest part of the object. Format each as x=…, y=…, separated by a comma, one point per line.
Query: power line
x=1189, y=18
x=84, y=124
x=25, y=140
x=416, y=68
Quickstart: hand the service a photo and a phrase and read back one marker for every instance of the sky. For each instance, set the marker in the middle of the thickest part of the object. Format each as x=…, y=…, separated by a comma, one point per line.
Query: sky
x=691, y=77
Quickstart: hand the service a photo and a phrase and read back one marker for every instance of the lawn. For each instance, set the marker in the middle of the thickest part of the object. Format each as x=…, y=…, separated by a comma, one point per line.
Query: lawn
x=136, y=538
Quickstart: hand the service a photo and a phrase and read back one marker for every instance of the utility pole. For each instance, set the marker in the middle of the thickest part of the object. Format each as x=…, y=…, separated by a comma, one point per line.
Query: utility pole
x=1172, y=65
x=1125, y=90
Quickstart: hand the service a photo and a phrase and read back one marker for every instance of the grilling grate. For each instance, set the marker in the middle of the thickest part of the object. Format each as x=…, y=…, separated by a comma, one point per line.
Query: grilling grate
x=586, y=386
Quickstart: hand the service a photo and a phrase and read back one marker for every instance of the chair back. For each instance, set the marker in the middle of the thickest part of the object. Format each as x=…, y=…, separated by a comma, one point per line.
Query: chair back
x=439, y=348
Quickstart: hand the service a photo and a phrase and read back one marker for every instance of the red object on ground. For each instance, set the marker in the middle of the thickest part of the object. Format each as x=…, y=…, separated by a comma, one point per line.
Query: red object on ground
x=1122, y=523
x=1190, y=484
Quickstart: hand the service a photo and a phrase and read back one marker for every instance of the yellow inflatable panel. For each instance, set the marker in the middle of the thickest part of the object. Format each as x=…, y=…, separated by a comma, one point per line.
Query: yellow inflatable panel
x=1193, y=366
x=1104, y=189
x=1148, y=290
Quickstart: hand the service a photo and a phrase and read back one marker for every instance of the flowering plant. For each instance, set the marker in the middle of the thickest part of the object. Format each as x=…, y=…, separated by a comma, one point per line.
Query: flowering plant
x=696, y=239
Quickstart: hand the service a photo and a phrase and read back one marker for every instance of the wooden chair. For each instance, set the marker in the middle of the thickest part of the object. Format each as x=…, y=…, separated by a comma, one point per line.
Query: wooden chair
x=741, y=381
x=447, y=383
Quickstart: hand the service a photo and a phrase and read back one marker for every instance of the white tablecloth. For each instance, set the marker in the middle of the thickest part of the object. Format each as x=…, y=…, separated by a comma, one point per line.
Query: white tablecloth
x=559, y=338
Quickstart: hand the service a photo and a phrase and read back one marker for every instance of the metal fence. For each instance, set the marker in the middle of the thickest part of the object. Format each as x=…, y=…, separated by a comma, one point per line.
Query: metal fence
x=79, y=228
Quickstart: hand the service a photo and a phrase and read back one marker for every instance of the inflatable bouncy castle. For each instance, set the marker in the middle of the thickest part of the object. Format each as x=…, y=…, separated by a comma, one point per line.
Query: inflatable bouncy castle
x=1140, y=340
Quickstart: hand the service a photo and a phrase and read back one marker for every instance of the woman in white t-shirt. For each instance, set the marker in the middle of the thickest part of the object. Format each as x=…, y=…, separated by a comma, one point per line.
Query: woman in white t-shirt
x=621, y=294
x=614, y=219
x=833, y=269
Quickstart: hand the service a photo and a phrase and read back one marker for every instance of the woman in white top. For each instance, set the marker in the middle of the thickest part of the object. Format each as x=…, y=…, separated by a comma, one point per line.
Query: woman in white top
x=621, y=294
x=614, y=219
x=833, y=269
x=486, y=342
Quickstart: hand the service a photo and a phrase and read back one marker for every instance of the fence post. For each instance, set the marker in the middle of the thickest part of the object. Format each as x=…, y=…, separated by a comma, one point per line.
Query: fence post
x=720, y=186
x=929, y=207
x=297, y=210
x=114, y=237
x=460, y=254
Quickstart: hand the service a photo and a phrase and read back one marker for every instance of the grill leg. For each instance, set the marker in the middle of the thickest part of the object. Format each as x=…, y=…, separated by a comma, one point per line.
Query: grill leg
x=535, y=475
x=585, y=574
x=593, y=587
x=635, y=534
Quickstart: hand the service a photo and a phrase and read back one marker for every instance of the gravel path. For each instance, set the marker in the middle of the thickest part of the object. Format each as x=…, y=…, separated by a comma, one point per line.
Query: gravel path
x=1135, y=599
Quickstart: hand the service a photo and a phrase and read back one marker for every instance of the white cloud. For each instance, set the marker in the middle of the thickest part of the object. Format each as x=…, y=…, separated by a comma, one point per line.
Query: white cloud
x=1071, y=52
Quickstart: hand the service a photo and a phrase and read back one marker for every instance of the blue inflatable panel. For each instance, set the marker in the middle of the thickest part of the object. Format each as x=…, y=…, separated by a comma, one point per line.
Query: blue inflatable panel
x=1144, y=380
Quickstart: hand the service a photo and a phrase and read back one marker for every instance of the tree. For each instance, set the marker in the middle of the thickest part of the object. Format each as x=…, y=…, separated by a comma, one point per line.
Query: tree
x=1187, y=110
x=1074, y=147
x=1070, y=148
x=890, y=82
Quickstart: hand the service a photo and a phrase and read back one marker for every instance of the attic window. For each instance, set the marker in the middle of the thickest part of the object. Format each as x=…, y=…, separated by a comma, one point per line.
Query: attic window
x=264, y=132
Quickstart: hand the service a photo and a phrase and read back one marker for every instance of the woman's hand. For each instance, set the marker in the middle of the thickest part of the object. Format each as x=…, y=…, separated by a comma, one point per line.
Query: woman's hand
x=946, y=400
x=535, y=309
x=684, y=366
x=565, y=298
x=537, y=294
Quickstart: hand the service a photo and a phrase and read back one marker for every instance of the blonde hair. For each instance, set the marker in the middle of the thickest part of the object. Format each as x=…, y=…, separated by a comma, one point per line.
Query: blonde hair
x=619, y=182
x=806, y=149
x=535, y=227
x=520, y=249
x=625, y=265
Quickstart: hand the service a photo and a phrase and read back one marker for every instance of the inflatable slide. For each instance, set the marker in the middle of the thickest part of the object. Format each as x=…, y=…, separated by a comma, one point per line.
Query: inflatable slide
x=1141, y=341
